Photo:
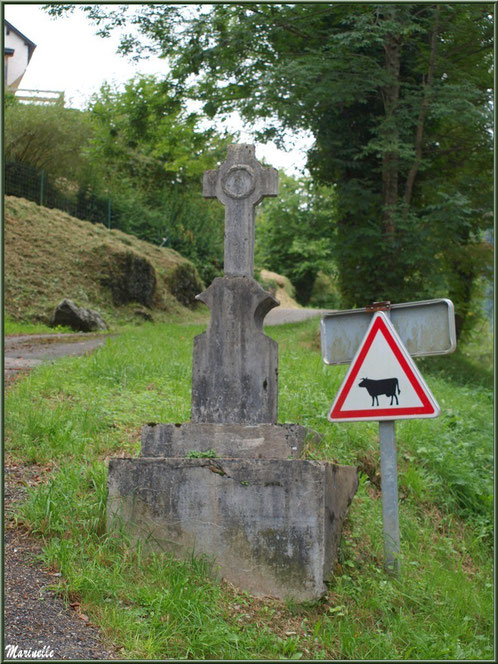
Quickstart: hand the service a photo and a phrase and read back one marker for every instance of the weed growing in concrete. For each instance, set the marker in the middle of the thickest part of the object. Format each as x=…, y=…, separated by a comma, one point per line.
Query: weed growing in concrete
x=194, y=454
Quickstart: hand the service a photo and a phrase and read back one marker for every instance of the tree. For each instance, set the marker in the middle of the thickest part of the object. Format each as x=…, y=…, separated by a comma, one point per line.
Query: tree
x=51, y=137
x=295, y=233
x=135, y=154
x=149, y=151
x=398, y=98
x=144, y=132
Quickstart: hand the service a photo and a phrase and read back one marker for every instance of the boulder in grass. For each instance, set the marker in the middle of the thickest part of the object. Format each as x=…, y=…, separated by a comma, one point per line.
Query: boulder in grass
x=68, y=314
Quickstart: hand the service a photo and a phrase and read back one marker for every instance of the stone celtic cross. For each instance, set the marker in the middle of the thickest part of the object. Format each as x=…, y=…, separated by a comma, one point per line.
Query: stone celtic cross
x=240, y=184
x=235, y=368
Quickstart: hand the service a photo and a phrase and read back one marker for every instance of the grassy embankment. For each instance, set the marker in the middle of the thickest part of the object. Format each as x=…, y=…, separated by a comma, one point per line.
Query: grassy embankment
x=70, y=417
x=50, y=255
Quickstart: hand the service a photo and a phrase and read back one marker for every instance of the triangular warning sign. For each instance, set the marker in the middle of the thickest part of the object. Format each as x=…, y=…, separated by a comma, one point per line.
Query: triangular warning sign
x=382, y=382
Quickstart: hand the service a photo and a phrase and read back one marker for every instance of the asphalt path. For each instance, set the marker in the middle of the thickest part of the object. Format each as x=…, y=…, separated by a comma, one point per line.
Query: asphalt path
x=26, y=351
x=280, y=316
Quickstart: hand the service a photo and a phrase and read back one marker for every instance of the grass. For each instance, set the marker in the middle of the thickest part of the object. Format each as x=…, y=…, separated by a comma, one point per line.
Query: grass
x=11, y=326
x=50, y=255
x=70, y=417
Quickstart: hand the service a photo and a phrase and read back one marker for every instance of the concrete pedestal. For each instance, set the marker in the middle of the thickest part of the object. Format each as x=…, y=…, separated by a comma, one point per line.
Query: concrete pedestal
x=271, y=525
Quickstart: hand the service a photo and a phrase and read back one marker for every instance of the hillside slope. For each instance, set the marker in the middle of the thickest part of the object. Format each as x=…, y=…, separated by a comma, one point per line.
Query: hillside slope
x=280, y=287
x=50, y=255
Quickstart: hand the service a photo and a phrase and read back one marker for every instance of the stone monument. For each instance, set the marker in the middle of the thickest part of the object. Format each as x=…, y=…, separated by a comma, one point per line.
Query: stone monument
x=270, y=520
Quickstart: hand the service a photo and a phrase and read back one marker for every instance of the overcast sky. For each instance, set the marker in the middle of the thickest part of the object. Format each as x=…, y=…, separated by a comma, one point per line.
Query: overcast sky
x=69, y=57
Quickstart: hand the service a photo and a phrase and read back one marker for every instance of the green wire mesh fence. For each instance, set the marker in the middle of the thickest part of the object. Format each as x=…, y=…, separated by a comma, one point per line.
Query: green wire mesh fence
x=77, y=200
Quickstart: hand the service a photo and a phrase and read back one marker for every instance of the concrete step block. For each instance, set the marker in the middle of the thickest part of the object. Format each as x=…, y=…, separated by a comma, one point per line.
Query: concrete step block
x=264, y=441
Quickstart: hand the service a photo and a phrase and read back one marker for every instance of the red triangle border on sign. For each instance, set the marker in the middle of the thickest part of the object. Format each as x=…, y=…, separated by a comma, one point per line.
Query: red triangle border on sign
x=427, y=409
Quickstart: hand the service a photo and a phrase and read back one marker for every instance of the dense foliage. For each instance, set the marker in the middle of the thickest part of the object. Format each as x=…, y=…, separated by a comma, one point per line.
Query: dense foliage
x=49, y=137
x=296, y=234
x=398, y=98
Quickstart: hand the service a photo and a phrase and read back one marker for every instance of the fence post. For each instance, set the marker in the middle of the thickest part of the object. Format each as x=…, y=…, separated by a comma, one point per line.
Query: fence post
x=42, y=185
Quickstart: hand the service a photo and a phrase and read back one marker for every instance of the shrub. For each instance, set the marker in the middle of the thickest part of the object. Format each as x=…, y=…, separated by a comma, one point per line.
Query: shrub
x=325, y=293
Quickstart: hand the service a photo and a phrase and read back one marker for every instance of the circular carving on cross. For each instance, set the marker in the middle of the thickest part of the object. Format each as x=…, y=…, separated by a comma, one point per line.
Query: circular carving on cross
x=239, y=181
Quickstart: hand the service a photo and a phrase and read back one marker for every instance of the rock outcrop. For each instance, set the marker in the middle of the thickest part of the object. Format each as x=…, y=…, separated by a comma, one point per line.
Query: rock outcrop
x=68, y=314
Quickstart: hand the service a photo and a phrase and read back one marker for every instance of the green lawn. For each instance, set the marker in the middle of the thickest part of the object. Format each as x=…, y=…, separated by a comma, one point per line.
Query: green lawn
x=71, y=417
x=12, y=326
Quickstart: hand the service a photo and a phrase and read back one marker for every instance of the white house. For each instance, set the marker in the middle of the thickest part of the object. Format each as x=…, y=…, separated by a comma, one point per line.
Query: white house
x=18, y=50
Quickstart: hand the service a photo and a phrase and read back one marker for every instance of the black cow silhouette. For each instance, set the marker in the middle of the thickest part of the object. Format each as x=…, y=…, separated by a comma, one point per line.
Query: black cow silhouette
x=387, y=386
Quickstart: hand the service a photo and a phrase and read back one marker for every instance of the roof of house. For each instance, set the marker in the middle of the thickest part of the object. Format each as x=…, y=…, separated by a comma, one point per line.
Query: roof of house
x=31, y=45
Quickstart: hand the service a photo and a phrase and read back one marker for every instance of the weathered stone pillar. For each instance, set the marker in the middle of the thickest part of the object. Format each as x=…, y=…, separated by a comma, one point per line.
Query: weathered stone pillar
x=235, y=368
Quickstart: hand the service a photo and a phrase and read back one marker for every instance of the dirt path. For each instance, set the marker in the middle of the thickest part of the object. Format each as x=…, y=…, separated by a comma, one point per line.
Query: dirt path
x=34, y=617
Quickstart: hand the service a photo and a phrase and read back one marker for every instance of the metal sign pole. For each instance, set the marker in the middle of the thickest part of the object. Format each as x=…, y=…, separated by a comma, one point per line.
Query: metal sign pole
x=389, y=488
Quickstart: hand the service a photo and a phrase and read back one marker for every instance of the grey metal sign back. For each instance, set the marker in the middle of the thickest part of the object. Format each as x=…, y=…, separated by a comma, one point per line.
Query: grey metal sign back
x=425, y=328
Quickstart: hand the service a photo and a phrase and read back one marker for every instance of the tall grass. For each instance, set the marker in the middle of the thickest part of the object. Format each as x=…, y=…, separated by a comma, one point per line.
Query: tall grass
x=78, y=412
